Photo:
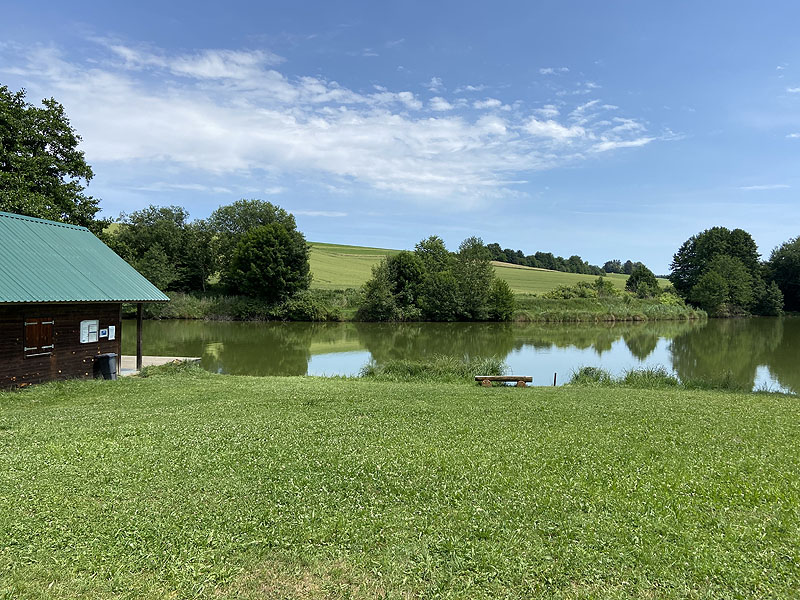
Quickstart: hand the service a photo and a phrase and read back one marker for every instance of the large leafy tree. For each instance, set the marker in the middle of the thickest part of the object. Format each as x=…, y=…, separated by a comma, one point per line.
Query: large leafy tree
x=270, y=262
x=166, y=247
x=692, y=259
x=42, y=172
x=231, y=223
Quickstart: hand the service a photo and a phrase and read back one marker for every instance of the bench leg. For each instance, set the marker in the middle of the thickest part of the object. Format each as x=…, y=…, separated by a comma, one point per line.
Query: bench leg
x=486, y=383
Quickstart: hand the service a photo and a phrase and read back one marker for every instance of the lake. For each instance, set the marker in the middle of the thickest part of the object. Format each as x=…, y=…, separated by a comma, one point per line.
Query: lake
x=760, y=353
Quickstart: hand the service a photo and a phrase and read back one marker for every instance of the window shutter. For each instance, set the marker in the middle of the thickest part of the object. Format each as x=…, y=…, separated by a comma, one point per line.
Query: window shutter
x=38, y=337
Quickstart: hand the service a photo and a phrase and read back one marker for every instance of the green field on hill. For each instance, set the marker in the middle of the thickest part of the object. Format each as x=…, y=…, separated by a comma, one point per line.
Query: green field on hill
x=336, y=266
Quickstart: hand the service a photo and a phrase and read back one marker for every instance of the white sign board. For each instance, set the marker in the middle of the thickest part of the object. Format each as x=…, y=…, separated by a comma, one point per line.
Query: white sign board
x=89, y=331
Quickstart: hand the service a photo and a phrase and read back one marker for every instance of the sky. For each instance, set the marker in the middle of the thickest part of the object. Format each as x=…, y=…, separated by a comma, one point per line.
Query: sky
x=603, y=129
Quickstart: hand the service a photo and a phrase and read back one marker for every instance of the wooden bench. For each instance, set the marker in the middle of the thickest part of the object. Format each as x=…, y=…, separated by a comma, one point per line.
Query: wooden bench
x=486, y=380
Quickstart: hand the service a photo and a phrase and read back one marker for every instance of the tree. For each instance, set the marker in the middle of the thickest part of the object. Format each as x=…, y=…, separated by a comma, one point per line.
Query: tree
x=501, y=300
x=433, y=253
x=724, y=287
x=42, y=172
x=642, y=282
x=185, y=247
x=474, y=273
x=232, y=222
x=439, y=300
x=270, y=262
x=693, y=257
x=406, y=274
x=733, y=255
x=613, y=266
x=378, y=303
x=627, y=268
x=783, y=267
x=156, y=266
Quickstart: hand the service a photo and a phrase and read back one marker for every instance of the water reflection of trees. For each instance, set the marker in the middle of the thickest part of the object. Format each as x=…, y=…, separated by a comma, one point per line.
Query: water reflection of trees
x=704, y=350
x=733, y=347
x=417, y=341
x=783, y=358
x=387, y=341
x=640, y=338
x=235, y=348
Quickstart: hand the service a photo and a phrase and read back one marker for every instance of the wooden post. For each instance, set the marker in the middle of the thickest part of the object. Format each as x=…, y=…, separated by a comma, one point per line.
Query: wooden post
x=554, y=379
x=139, y=336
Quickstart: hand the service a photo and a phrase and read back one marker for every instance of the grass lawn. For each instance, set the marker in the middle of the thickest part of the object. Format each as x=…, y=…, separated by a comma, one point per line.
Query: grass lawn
x=239, y=487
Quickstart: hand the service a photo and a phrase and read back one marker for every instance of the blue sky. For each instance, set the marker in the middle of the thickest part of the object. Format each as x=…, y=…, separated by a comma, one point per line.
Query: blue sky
x=609, y=130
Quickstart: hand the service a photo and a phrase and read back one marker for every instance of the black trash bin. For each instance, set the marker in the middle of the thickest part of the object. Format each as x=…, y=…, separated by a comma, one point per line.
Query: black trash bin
x=105, y=366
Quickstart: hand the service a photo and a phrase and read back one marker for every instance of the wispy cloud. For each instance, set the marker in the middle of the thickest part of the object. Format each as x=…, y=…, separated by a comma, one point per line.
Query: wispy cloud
x=320, y=213
x=760, y=188
x=553, y=70
x=213, y=113
x=435, y=84
x=793, y=135
x=469, y=88
x=793, y=90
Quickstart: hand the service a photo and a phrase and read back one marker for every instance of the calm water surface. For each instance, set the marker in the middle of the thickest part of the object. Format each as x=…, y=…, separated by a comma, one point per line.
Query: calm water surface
x=759, y=353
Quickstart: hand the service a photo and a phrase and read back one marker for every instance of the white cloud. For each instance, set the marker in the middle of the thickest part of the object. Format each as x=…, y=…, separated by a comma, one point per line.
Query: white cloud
x=794, y=90
x=440, y=104
x=548, y=111
x=553, y=70
x=553, y=130
x=470, y=88
x=487, y=103
x=760, y=188
x=215, y=113
x=793, y=135
x=606, y=145
x=435, y=84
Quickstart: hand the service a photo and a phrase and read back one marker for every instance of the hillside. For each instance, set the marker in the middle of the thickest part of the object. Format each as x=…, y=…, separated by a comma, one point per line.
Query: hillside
x=336, y=266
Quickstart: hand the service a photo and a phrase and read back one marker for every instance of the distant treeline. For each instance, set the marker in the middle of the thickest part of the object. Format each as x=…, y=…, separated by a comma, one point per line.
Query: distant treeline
x=547, y=260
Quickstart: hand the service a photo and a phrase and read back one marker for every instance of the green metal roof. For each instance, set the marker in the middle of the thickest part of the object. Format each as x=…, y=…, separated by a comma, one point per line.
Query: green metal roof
x=46, y=261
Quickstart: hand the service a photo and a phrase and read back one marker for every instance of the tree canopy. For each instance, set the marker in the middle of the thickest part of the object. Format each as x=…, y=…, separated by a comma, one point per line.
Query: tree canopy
x=270, y=262
x=784, y=269
x=42, y=172
x=164, y=246
x=719, y=270
x=434, y=284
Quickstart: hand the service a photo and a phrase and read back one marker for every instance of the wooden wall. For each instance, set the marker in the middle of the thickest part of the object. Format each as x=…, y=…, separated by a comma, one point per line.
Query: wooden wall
x=70, y=358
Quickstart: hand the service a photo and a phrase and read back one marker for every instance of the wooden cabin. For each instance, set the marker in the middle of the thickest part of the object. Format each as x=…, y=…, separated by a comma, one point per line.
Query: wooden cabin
x=61, y=295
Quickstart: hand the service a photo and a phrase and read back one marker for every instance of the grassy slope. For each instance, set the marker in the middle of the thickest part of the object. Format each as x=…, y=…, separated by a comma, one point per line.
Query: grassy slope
x=226, y=487
x=336, y=267
x=340, y=267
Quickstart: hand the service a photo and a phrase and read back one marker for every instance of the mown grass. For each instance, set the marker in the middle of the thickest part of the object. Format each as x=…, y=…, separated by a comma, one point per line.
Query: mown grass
x=597, y=310
x=197, y=485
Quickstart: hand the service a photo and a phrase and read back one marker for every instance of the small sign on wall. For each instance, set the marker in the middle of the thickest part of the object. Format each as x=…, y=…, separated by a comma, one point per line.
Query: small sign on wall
x=104, y=333
x=112, y=332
